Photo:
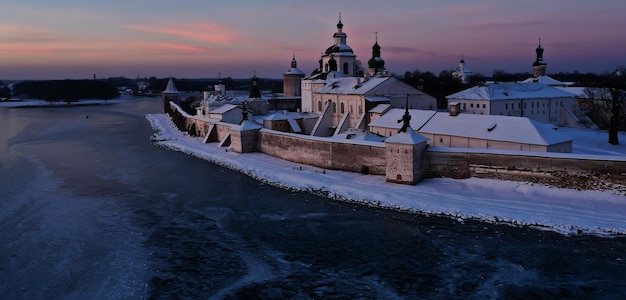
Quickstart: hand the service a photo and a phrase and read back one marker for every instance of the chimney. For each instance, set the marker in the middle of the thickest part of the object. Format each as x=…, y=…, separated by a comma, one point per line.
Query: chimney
x=454, y=108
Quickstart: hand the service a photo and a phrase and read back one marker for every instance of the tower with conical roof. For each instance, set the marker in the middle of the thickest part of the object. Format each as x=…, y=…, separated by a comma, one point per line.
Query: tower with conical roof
x=539, y=66
x=292, y=79
x=405, y=153
x=170, y=94
x=376, y=65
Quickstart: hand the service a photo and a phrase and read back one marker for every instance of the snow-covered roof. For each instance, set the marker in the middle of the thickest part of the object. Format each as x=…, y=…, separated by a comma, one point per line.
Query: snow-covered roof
x=223, y=109
x=494, y=91
x=285, y=115
x=248, y=125
x=380, y=108
x=170, y=88
x=359, y=135
x=577, y=91
x=492, y=127
x=391, y=117
x=295, y=71
x=407, y=137
x=377, y=99
x=294, y=126
x=351, y=85
x=546, y=80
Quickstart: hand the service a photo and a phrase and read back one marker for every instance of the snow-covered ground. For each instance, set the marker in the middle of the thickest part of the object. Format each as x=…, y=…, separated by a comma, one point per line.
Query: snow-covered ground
x=517, y=203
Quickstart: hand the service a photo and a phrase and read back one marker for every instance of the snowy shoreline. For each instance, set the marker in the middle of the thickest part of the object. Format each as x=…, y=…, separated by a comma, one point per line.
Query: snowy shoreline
x=566, y=211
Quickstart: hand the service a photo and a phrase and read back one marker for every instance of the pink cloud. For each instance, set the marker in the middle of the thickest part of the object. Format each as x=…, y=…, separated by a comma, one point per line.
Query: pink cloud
x=207, y=32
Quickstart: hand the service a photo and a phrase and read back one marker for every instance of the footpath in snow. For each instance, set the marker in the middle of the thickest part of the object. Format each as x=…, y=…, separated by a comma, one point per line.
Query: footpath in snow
x=516, y=203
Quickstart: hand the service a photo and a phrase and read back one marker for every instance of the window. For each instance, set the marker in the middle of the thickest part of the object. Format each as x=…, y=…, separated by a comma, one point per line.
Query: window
x=334, y=107
x=351, y=111
x=342, y=108
x=532, y=104
x=484, y=105
x=319, y=105
x=346, y=68
x=471, y=104
x=506, y=106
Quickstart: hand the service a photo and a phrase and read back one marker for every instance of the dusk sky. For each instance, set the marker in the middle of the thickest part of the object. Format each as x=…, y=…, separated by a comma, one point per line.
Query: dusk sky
x=41, y=39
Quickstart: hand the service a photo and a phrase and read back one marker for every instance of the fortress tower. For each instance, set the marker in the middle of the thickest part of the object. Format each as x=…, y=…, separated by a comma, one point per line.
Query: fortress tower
x=292, y=80
x=170, y=93
x=405, y=154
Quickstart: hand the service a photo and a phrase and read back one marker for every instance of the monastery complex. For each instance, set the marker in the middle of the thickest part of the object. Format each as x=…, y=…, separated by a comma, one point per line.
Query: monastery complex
x=363, y=120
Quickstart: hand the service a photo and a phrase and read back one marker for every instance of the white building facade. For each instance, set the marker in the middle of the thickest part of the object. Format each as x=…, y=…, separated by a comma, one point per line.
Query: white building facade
x=536, y=101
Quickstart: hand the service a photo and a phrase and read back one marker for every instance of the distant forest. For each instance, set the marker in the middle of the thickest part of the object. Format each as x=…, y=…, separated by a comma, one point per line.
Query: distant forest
x=438, y=86
x=65, y=90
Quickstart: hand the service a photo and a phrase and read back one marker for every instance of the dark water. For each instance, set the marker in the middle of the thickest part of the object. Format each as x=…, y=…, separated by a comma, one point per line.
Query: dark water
x=90, y=209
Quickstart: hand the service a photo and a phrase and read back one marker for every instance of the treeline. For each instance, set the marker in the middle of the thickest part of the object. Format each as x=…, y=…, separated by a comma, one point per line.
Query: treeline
x=444, y=84
x=65, y=90
x=5, y=91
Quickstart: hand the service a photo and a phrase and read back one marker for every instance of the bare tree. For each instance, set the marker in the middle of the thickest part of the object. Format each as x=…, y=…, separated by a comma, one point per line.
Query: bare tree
x=606, y=103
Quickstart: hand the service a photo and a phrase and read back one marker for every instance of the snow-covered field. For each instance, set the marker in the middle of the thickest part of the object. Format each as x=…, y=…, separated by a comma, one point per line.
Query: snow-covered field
x=516, y=203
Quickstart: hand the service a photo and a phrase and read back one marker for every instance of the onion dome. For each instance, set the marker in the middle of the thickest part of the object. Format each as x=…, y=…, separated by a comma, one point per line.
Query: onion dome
x=539, y=51
x=376, y=62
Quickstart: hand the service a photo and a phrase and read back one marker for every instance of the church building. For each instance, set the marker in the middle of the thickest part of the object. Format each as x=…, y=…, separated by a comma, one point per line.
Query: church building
x=540, y=98
x=462, y=73
x=342, y=95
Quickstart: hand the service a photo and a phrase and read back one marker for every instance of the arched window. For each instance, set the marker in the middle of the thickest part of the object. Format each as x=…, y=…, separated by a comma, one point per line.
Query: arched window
x=346, y=68
x=319, y=105
x=342, y=108
x=334, y=107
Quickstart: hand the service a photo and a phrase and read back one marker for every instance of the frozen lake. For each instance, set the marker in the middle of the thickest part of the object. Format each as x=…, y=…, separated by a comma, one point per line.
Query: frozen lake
x=90, y=209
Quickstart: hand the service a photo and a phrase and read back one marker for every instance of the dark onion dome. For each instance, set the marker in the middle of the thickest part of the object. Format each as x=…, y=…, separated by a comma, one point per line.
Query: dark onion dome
x=539, y=51
x=338, y=48
x=376, y=62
